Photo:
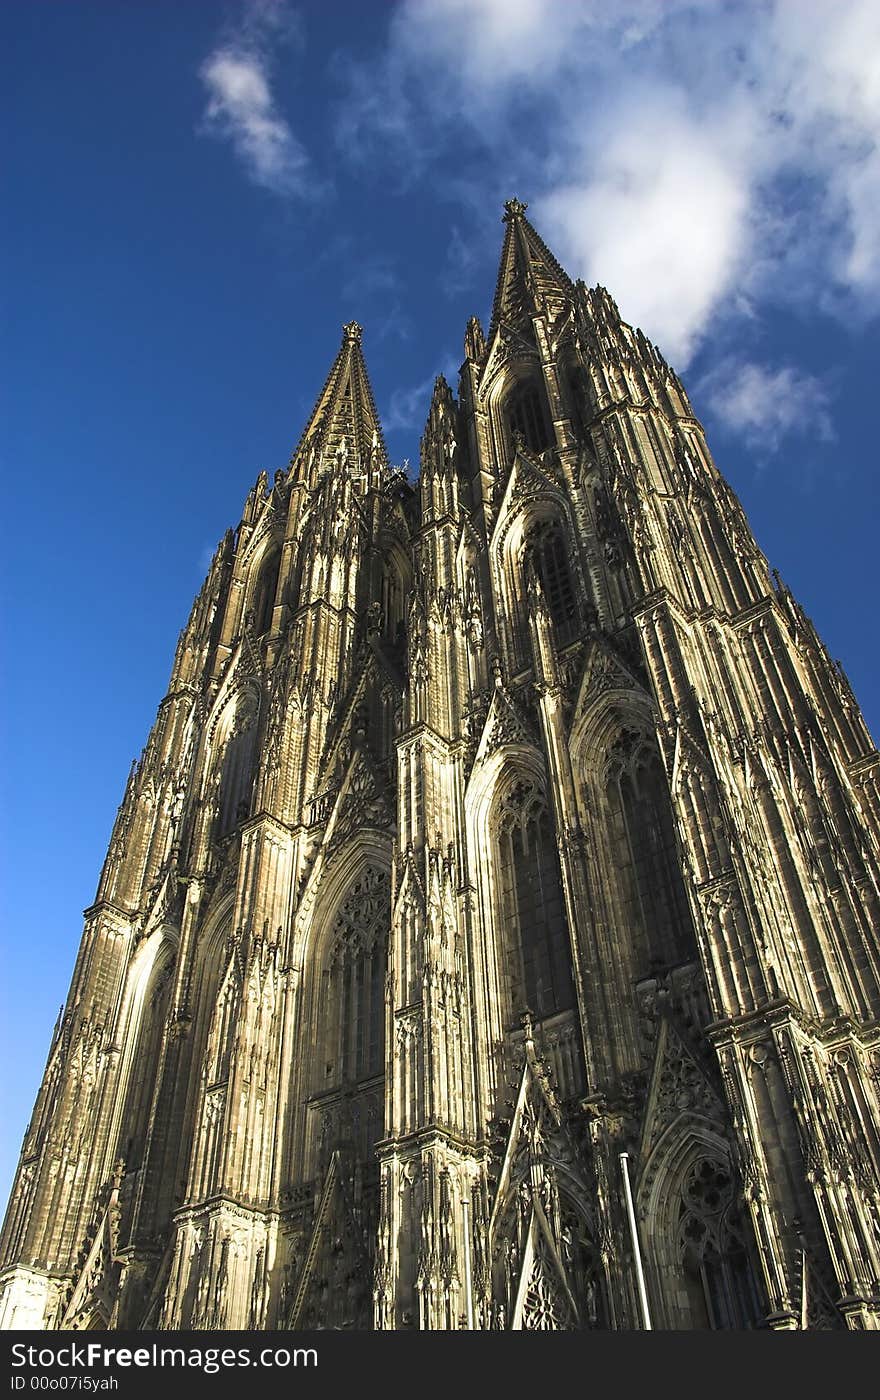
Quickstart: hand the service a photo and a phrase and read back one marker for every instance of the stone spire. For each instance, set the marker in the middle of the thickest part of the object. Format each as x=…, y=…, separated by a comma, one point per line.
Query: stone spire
x=531, y=776
x=529, y=277
x=344, y=427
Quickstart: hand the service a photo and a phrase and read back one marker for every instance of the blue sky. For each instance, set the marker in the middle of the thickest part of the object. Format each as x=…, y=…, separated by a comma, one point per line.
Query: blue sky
x=197, y=197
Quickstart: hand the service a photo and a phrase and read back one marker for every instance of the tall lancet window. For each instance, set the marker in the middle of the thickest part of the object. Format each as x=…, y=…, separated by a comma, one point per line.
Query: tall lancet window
x=235, y=773
x=651, y=896
x=353, y=991
x=264, y=597
x=547, y=553
x=348, y=1047
x=389, y=616
x=527, y=416
x=538, y=946
x=142, y=1082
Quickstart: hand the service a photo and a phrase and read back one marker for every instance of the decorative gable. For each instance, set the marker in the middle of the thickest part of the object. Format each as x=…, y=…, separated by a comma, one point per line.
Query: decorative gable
x=505, y=724
x=604, y=670
x=679, y=1090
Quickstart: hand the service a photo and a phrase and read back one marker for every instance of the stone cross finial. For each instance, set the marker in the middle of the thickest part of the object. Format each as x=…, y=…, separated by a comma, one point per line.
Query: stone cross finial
x=513, y=209
x=353, y=331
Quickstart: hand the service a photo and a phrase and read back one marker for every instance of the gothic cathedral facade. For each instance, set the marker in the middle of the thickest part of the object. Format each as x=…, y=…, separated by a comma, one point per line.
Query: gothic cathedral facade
x=488, y=935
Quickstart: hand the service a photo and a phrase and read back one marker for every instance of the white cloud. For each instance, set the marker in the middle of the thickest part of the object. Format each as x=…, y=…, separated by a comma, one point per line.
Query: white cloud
x=241, y=107
x=827, y=62
x=508, y=41
x=694, y=156
x=763, y=405
x=663, y=223
x=409, y=408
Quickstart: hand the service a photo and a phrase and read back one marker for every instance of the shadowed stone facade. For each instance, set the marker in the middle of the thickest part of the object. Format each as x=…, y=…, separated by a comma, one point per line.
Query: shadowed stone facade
x=491, y=827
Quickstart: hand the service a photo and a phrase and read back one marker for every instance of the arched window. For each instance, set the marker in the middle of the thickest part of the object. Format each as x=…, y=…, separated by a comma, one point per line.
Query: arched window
x=532, y=907
x=142, y=1082
x=344, y=1065
x=351, y=1034
x=527, y=417
x=720, y=1286
x=578, y=399
x=236, y=769
x=547, y=554
x=216, y=1066
x=652, y=899
x=264, y=598
x=392, y=603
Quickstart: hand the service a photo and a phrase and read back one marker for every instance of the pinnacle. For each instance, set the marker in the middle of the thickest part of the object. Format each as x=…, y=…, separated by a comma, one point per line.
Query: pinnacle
x=344, y=423
x=530, y=279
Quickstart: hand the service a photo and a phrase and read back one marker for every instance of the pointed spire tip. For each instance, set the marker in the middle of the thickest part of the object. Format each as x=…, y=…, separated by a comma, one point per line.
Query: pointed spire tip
x=513, y=209
x=352, y=331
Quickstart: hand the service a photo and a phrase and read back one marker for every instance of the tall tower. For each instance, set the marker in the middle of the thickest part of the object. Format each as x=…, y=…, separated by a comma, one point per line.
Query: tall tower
x=501, y=841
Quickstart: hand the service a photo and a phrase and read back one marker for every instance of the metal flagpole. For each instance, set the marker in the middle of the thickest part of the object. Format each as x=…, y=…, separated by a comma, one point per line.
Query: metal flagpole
x=634, y=1234
x=468, y=1289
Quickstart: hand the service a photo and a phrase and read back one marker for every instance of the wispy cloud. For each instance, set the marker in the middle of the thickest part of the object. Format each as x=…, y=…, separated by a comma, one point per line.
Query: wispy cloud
x=371, y=277
x=697, y=157
x=241, y=107
x=408, y=408
x=462, y=260
x=764, y=404
x=373, y=292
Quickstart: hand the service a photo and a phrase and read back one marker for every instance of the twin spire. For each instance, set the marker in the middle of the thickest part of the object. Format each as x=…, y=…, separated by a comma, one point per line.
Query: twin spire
x=529, y=277
x=344, y=425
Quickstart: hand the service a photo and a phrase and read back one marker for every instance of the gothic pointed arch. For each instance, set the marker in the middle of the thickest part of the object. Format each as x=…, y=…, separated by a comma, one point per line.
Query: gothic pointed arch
x=233, y=758
x=628, y=811
x=526, y=942
x=545, y=1263
x=338, y=1066
x=149, y=996
x=264, y=590
x=340, y=938
x=696, y=1235
x=347, y=1062
x=600, y=826
x=534, y=540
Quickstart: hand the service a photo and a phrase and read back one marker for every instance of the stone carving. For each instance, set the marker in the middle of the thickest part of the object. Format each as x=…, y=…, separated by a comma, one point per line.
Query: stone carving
x=309, y=850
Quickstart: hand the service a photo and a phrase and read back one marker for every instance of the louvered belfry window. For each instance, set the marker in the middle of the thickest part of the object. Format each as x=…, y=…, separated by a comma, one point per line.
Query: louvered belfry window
x=527, y=415
x=547, y=553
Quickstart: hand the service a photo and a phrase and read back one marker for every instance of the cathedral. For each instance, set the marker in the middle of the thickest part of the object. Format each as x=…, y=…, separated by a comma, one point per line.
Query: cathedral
x=488, y=934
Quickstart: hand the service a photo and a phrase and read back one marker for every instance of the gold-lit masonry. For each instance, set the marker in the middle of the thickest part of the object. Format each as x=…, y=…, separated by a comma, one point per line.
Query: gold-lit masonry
x=504, y=853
